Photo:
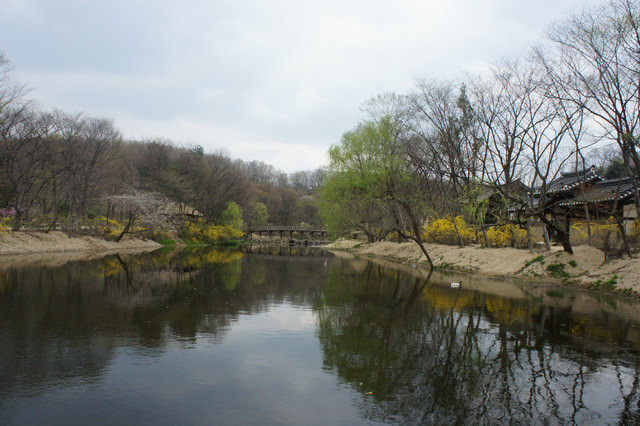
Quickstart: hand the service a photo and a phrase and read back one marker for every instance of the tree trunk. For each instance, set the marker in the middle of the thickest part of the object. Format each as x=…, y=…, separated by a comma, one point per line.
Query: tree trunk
x=545, y=234
x=416, y=228
x=588, y=218
x=455, y=226
x=623, y=233
x=17, y=221
x=561, y=233
x=126, y=229
x=487, y=244
x=52, y=225
x=565, y=234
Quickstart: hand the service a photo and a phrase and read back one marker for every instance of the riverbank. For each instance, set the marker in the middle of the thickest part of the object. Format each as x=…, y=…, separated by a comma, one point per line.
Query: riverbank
x=585, y=268
x=24, y=243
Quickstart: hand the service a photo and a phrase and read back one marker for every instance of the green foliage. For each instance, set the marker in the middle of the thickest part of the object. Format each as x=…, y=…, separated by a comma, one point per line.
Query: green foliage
x=609, y=284
x=557, y=270
x=475, y=201
x=365, y=173
x=258, y=213
x=629, y=292
x=232, y=216
x=614, y=169
x=534, y=260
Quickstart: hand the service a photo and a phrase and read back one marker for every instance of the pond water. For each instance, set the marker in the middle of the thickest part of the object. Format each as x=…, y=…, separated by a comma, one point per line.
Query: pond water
x=299, y=336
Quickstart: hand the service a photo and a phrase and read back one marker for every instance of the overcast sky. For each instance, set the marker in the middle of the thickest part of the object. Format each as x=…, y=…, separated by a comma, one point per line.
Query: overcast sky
x=271, y=80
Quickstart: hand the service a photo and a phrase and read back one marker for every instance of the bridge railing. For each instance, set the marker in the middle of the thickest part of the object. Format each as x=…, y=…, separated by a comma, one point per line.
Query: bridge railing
x=280, y=228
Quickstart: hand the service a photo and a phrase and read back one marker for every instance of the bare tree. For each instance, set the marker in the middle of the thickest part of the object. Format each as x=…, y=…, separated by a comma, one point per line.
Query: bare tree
x=597, y=65
x=307, y=181
x=499, y=108
x=86, y=144
x=444, y=122
x=224, y=181
x=545, y=132
x=24, y=152
x=445, y=147
x=11, y=92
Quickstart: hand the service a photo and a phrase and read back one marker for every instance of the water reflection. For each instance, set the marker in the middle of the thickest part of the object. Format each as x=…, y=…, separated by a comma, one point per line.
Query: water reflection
x=58, y=323
x=431, y=354
x=406, y=347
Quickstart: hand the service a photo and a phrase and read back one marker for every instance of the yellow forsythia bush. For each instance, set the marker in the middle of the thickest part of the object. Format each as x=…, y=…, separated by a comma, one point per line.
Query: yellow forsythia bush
x=634, y=235
x=212, y=257
x=508, y=235
x=603, y=232
x=442, y=231
x=201, y=231
x=4, y=227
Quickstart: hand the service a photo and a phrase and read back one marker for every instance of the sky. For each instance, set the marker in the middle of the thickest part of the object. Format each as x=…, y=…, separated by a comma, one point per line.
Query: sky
x=278, y=81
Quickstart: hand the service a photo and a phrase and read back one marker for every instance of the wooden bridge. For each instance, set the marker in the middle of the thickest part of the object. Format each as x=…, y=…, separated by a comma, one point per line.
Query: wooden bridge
x=288, y=232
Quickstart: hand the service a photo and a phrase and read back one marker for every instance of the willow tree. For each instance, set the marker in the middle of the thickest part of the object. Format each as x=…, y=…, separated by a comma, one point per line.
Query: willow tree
x=370, y=186
x=353, y=196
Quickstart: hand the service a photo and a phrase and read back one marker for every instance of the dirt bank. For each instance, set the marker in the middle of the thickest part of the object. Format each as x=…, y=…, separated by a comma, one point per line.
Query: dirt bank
x=26, y=243
x=585, y=267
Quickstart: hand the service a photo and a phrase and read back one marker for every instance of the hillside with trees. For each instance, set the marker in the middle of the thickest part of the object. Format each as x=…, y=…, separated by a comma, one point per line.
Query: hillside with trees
x=76, y=173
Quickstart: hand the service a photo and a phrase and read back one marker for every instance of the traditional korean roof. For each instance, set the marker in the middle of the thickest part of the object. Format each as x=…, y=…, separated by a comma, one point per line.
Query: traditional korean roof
x=602, y=191
x=571, y=180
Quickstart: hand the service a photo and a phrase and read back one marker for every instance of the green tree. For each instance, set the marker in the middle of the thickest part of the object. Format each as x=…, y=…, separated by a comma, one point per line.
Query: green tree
x=370, y=186
x=615, y=169
x=232, y=216
x=258, y=213
x=353, y=193
x=476, y=202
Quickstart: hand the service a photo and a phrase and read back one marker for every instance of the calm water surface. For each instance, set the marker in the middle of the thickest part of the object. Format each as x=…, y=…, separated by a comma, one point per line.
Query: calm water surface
x=298, y=336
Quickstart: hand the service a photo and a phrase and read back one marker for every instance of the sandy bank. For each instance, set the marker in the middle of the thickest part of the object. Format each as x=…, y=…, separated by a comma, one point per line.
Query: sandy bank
x=585, y=267
x=26, y=243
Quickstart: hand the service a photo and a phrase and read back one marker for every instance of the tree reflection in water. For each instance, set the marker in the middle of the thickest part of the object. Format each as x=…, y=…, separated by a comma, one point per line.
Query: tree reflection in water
x=416, y=351
x=422, y=353
x=65, y=323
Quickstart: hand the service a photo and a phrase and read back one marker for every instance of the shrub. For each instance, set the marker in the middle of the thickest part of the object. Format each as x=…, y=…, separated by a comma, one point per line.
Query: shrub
x=508, y=235
x=5, y=226
x=534, y=260
x=605, y=234
x=443, y=231
x=557, y=270
x=208, y=233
